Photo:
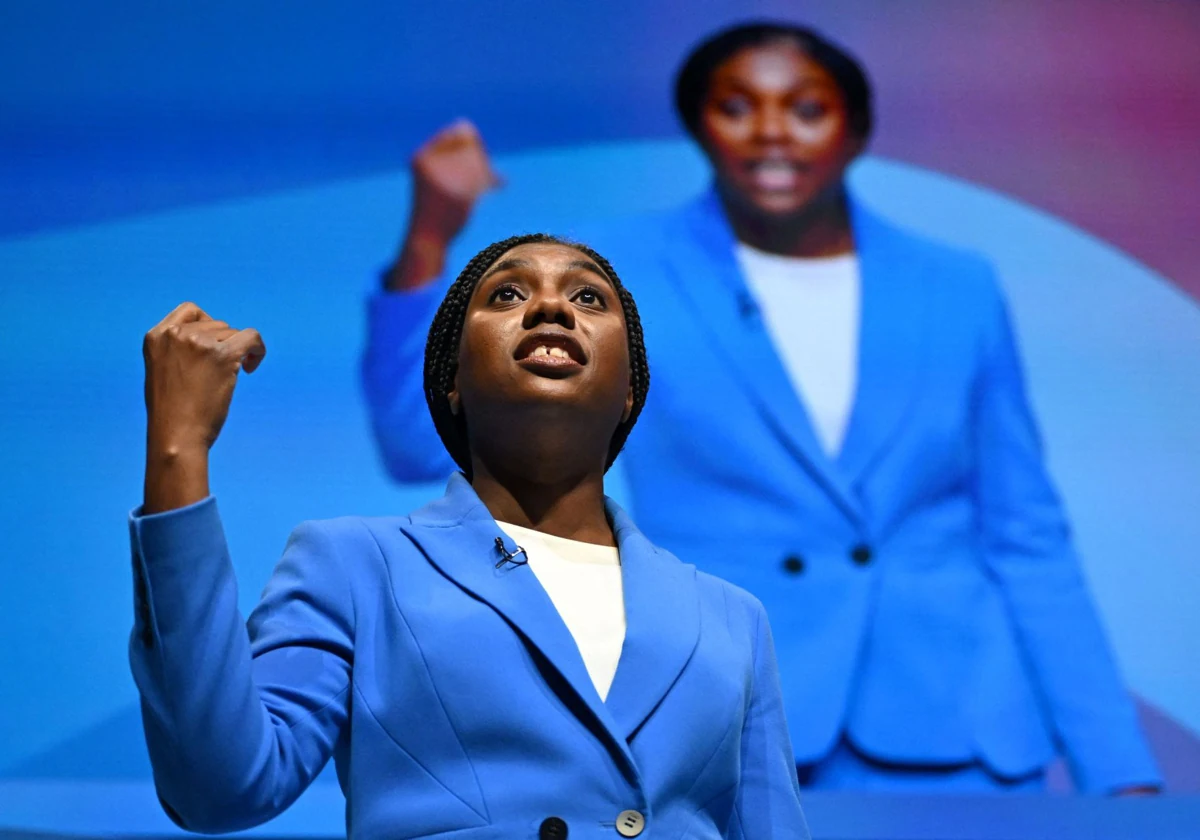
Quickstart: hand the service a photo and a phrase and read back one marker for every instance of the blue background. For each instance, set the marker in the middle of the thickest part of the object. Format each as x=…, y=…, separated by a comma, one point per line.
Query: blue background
x=251, y=158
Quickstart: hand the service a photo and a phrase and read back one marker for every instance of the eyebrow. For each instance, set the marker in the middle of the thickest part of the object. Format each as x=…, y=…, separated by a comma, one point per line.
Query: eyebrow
x=588, y=265
x=578, y=265
x=802, y=84
x=506, y=265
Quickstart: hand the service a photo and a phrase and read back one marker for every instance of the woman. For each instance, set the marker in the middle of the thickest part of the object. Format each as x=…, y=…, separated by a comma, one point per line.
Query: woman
x=847, y=396
x=462, y=681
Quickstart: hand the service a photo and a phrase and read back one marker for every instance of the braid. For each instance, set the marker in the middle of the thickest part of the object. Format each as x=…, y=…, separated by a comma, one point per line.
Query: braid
x=445, y=336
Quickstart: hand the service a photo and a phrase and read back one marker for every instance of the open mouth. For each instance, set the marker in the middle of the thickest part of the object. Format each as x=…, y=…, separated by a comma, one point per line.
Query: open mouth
x=775, y=174
x=550, y=350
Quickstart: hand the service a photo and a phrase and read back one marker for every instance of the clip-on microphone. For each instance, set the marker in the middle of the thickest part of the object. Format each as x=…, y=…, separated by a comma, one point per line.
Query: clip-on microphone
x=509, y=555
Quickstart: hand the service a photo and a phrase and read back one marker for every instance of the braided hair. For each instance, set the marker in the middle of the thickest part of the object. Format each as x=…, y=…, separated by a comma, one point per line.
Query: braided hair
x=445, y=336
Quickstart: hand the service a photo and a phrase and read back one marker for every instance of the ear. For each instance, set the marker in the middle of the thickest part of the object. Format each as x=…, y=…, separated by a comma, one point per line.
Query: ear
x=628, y=407
x=454, y=399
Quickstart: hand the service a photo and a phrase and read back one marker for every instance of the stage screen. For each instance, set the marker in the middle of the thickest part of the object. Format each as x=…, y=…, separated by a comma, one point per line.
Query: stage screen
x=254, y=159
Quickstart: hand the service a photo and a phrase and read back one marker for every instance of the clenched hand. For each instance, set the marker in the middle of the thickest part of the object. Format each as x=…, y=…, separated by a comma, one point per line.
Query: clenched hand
x=451, y=172
x=192, y=364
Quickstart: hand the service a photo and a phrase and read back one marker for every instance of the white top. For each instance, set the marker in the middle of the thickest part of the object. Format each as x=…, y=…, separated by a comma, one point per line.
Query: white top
x=584, y=582
x=812, y=310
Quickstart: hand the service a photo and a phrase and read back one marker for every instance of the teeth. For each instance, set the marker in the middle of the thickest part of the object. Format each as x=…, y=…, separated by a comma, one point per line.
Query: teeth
x=556, y=352
x=775, y=175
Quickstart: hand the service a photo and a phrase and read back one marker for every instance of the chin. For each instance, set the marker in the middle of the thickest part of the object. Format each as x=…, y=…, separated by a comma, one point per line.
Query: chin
x=779, y=206
x=773, y=205
x=549, y=392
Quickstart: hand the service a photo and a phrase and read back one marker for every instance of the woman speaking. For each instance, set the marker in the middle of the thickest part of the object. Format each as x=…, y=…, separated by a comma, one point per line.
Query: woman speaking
x=840, y=426
x=513, y=661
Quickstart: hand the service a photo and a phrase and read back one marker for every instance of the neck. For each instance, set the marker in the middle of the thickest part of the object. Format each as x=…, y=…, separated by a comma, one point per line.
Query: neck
x=820, y=229
x=545, y=492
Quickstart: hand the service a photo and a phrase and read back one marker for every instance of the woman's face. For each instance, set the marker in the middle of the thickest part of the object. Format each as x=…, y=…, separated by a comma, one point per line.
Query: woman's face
x=544, y=327
x=776, y=128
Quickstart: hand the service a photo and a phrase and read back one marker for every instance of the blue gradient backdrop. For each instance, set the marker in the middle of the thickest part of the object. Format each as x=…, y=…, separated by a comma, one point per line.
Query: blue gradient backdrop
x=251, y=158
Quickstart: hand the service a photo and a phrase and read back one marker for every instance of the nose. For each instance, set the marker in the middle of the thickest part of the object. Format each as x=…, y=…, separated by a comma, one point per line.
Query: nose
x=549, y=307
x=770, y=124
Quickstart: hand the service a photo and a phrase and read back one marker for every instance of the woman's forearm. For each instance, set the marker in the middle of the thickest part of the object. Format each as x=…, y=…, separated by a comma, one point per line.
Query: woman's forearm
x=421, y=261
x=176, y=476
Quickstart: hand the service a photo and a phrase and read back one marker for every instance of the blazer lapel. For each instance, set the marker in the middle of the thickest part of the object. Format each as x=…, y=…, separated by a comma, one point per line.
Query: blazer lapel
x=709, y=280
x=892, y=351
x=662, y=613
x=458, y=535
x=662, y=618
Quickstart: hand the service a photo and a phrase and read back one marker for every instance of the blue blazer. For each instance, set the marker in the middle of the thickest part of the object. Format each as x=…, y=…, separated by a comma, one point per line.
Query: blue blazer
x=449, y=692
x=924, y=593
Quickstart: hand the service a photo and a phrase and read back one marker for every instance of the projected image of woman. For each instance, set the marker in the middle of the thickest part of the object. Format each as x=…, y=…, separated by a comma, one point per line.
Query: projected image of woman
x=515, y=659
x=840, y=426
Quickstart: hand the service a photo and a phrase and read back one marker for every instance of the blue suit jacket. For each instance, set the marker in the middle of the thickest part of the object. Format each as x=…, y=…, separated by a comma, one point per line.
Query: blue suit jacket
x=939, y=614
x=450, y=692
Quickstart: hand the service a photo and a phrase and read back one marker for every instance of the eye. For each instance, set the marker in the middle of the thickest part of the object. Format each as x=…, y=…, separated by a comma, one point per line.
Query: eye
x=810, y=109
x=506, y=293
x=734, y=106
x=590, y=296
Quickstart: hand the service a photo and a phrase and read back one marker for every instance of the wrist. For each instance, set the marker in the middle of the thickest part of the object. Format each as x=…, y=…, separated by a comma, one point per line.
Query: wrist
x=431, y=238
x=176, y=475
x=421, y=260
x=171, y=447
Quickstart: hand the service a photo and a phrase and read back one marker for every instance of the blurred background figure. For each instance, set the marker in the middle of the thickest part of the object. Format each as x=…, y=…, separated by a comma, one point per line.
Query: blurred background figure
x=839, y=424
x=260, y=162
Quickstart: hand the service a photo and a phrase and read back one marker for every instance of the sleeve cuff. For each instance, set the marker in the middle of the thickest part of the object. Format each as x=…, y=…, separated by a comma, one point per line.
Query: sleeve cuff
x=181, y=537
x=181, y=563
x=406, y=304
x=394, y=317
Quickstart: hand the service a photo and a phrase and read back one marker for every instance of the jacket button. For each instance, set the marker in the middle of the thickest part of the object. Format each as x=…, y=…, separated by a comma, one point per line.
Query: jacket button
x=793, y=564
x=630, y=823
x=861, y=554
x=553, y=828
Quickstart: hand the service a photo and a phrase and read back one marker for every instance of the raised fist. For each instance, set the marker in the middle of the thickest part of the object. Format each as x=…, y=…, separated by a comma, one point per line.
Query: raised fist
x=192, y=363
x=450, y=172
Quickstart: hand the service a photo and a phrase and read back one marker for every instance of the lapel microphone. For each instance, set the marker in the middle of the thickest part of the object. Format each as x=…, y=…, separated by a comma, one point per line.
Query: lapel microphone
x=747, y=306
x=507, y=556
